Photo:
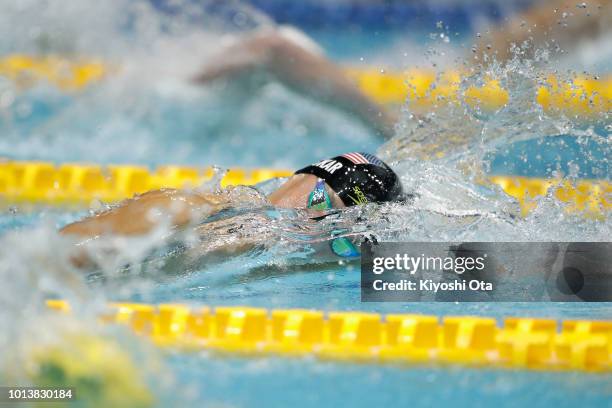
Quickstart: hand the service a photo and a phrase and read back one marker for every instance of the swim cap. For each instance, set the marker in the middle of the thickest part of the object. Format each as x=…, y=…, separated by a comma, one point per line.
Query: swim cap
x=357, y=178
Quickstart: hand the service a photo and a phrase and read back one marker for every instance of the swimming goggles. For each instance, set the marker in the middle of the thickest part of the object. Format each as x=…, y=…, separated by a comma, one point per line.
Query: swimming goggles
x=320, y=200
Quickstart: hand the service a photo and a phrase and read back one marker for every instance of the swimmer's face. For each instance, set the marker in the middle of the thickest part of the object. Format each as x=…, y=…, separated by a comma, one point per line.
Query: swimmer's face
x=295, y=191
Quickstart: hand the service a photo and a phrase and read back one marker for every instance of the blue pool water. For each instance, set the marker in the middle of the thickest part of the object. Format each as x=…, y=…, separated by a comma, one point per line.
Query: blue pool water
x=61, y=128
x=281, y=383
x=161, y=121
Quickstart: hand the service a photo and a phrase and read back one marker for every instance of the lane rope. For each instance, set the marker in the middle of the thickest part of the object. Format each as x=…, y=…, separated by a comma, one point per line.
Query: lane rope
x=69, y=184
x=521, y=343
x=581, y=96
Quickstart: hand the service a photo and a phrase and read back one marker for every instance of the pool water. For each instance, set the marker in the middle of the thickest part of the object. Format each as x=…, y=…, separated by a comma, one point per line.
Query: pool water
x=280, y=383
x=150, y=118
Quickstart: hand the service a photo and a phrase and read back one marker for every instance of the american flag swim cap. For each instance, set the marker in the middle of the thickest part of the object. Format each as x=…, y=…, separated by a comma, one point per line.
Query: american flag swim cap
x=357, y=178
x=363, y=158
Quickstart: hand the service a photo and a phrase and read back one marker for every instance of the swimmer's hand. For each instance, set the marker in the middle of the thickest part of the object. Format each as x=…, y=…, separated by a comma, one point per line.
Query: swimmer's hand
x=142, y=213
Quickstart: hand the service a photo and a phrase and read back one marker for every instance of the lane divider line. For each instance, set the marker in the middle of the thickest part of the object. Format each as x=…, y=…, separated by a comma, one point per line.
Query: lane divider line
x=521, y=343
x=582, y=96
x=83, y=184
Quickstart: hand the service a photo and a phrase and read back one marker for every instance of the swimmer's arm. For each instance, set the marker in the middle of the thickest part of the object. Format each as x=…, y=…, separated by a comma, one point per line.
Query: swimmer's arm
x=233, y=61
x=141, y=214
x=306, y=72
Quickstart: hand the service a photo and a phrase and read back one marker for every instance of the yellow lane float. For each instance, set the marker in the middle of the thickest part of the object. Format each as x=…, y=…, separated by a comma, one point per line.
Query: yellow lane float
x=582, y=96
x=68, y=75
x=83, y=184
x=521, y=343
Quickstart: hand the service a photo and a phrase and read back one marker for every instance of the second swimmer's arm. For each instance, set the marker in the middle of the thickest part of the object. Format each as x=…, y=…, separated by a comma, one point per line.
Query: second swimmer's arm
x=141, y=214
x=306, y=72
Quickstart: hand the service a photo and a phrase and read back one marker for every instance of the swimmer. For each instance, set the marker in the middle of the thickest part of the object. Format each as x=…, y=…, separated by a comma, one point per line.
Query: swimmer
x=343, y=181
x=292, y=58
x=289, y=56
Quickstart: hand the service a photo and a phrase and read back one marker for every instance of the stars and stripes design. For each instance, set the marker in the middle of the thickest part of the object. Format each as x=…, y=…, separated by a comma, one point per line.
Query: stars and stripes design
x=363, y=158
